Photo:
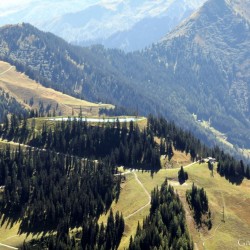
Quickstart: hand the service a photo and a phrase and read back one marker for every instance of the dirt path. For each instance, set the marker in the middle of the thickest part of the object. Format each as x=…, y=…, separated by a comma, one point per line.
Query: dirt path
x=3, y=246
x=214, y=234
x=27, y=147
x=191, y=164
x=145, y=190
x=2, y=73
x=122, y=174
x=147, y=193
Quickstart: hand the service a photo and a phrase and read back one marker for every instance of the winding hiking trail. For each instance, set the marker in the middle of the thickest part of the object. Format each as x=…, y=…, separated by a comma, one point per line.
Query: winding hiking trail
x=146, y=192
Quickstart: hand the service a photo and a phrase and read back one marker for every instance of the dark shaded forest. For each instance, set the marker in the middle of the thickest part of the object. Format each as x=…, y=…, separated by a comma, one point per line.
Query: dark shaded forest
x=165, y=227
x=46, y=188
x=124, y=144
x=94, y=236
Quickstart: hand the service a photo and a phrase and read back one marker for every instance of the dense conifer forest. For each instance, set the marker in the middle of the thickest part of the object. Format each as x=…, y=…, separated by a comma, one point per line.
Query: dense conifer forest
x=65, y=179
x=62, y=180
x=124, y=144
x=165, y=227
x=46, y=188
x=67, y=78
x=143, y=80
x=94, y=236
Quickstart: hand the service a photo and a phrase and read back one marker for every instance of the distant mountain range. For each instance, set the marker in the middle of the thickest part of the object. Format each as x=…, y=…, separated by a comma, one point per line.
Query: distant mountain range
x=129, y=25
x=200, y=69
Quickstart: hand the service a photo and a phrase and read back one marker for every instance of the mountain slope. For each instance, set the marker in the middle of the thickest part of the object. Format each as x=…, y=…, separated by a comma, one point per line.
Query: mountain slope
x=200, y=69
x=9, y=105
x=81, y=72
x=210, y=54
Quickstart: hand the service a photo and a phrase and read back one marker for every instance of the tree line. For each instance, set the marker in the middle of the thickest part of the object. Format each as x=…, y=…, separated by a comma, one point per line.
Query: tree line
x=229, y=167
x=70, y=180
x=125, y=143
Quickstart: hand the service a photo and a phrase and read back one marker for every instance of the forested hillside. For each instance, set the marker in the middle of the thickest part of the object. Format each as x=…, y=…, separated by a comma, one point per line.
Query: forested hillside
x=208, y=55
x=94, y=73
x=199, y=68
x=91, y=73
x=73, y=183
x=66, y=177
x=33, y=96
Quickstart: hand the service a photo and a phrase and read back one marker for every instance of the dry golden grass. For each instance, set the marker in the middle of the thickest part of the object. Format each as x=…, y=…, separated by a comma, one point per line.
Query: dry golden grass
x=142, y=124
x=12, y=145
x=236, y=201
x=23, y=89
x=180, y=159
x=134, y=200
